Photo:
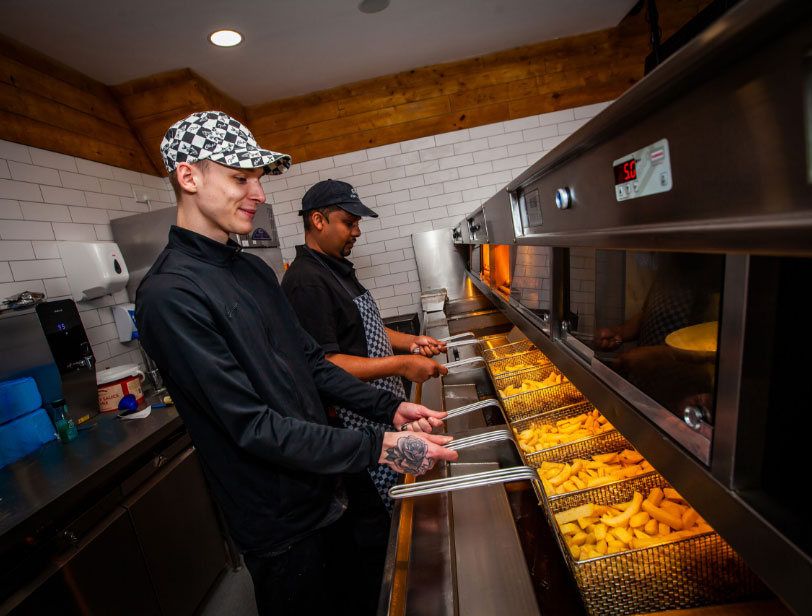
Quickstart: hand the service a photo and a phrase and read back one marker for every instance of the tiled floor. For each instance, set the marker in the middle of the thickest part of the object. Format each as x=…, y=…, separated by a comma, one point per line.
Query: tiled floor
x=233, y=596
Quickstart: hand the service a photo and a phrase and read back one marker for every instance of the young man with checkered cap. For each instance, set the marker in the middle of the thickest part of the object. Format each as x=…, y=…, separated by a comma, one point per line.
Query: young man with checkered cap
x=250, y=383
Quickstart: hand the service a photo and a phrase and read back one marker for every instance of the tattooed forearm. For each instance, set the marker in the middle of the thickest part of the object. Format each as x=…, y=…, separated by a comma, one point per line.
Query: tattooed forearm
x=410, y=455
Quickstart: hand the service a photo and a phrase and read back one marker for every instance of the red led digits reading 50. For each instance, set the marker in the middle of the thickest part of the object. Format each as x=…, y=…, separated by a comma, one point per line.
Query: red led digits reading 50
x=625, y=171
x=643, y=173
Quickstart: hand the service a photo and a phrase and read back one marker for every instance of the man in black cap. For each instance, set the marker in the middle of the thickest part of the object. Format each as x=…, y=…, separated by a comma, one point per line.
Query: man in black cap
x=343, y=318
x=250, y=383
x=322, y=287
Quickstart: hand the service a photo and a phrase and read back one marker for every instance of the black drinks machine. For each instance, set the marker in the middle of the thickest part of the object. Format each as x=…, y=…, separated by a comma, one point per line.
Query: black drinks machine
x=73, y=356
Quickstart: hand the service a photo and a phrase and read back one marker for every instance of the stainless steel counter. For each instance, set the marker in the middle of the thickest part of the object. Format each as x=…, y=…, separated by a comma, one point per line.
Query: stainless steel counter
x=117, y=521
x=479, y=551
x=59, y=475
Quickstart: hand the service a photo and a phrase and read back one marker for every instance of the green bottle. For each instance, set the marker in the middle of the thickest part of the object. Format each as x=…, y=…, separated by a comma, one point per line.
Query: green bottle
x=63, y=421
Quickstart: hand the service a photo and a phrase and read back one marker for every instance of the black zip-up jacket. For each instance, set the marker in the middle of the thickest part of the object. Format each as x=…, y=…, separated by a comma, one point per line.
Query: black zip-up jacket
x=251, y=386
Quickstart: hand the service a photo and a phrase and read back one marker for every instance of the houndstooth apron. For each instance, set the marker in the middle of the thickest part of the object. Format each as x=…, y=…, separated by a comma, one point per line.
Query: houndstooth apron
x=378, y=345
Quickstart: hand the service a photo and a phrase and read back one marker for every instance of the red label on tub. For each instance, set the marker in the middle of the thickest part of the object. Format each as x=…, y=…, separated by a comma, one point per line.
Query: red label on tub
x=111, y=393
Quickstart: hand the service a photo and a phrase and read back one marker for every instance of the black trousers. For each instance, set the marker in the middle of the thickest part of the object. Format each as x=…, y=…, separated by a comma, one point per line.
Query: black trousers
x=336, y=570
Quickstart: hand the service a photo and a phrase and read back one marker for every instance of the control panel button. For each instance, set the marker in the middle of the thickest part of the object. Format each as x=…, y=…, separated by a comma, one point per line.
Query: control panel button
x=563, y=198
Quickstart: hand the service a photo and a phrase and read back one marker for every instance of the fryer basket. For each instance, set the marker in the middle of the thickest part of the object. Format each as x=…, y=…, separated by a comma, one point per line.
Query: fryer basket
x=690, y=572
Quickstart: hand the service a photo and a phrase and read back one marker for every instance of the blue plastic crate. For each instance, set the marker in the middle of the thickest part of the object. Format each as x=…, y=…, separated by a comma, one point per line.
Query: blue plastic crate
x=18, y=397
x=25, y=434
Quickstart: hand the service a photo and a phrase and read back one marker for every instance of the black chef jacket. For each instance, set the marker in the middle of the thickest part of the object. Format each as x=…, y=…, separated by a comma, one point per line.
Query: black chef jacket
x=250, y=385
x=323, y=305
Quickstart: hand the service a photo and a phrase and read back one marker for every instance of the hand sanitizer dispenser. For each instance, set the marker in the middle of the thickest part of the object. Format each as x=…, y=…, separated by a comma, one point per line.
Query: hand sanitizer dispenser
x=124, y=316
x=93, y=268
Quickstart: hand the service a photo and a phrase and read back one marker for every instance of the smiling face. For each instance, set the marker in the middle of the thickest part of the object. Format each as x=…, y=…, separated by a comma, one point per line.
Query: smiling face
x=217, y=200
x=334, y=233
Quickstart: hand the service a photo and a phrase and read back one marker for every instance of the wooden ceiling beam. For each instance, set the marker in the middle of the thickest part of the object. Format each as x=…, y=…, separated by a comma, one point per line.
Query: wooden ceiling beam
x=49, y=105
x=506, y=85
x=152, y=104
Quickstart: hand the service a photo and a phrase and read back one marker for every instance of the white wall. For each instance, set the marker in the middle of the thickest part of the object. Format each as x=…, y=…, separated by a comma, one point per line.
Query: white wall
x=418, y=185
x=47, y=197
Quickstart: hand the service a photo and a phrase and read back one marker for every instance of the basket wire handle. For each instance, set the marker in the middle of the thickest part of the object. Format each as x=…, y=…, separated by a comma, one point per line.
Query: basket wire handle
x=464, y=362
x=459, y=343
x=457, y=337
x=473, y=480
x=480, y=439
x=481, y=404
x=462, y=410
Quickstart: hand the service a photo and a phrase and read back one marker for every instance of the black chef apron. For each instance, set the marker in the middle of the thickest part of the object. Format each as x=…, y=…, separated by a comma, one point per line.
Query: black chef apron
x=378, y=345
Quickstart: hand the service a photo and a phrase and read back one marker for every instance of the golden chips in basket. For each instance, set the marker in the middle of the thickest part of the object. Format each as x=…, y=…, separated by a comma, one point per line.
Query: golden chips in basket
x=592, y=530
x=563, y=477
x=554, y=378
x=542, y=436
x=512, y=368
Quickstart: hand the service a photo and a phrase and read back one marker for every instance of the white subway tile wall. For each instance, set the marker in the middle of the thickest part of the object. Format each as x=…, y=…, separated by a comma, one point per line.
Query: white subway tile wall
x=46, y=197
x=418, y=185
x=582, y=287
x=532, y=278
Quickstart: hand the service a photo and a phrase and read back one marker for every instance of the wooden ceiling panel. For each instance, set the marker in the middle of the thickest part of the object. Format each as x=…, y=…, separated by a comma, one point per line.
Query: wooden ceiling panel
x=55, y=107
x=153, y=104
x=540, y=78
x=51, y=106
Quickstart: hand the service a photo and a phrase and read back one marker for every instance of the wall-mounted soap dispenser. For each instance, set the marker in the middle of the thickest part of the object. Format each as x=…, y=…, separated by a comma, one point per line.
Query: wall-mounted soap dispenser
x=124, y=316
x=93, y=269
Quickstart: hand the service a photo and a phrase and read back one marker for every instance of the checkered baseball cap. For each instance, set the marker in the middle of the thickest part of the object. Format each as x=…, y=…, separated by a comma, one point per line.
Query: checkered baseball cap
x=220, y=138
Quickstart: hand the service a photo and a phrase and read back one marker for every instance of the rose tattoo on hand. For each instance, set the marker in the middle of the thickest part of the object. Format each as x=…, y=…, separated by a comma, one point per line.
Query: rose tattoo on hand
x=410, y=455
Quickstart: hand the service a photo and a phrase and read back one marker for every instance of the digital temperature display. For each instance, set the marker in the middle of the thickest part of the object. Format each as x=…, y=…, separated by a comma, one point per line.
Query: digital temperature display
x=625, y=171
x=644, y=172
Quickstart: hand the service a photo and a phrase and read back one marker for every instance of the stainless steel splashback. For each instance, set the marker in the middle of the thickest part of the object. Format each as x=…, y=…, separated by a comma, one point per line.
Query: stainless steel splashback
x=440, y=263
x=141, y=239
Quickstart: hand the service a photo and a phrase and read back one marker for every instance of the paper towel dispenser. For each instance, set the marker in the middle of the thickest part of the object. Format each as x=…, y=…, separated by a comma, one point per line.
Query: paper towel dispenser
x=93, y=269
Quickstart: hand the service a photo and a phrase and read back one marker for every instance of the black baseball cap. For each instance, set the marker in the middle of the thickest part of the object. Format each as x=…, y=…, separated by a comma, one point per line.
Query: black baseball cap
x=334, y=192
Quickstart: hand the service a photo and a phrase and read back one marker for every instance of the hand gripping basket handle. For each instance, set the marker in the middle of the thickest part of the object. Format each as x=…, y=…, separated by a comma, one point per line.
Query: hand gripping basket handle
x=473, y=480
x=480, y=439
x=481, y=404
x=455, y=337
x=462, y=410
x=460, y=343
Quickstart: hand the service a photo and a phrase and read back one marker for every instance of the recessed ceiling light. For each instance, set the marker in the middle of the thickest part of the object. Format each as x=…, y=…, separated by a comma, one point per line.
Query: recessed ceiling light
x=225, y=38
x=372, y=6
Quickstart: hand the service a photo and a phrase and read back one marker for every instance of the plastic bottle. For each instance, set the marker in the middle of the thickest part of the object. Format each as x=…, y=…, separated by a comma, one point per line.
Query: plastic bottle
x=63, y=421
